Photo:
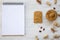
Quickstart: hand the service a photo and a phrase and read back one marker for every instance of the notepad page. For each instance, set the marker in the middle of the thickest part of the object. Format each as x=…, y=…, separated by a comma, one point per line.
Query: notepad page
x=13, y=20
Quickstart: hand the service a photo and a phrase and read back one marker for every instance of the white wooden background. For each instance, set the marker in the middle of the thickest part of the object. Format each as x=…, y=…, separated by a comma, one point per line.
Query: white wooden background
x=32, y=29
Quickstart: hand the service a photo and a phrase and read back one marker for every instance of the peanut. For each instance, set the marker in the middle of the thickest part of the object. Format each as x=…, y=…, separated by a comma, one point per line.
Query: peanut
x=36, y=38
x=48, y=3
x=55, y=1
x=53, y=30
x=39, y=1
x=45, y=36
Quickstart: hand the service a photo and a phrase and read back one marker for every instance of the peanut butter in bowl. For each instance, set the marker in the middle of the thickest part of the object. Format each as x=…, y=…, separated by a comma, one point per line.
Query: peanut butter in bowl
x=51, y=15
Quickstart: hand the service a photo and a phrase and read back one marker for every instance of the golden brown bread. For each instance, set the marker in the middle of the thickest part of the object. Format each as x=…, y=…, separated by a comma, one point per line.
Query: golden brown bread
x=37, y=17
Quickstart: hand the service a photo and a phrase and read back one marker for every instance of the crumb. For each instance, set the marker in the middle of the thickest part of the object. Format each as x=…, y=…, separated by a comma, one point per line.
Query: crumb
x=54, y=8
x=43, y=29
x=40, y=31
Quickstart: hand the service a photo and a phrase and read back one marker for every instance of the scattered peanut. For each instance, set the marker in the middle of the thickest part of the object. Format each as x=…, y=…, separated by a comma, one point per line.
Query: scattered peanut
x=48, y=3
x=56, y=36
x=58, y=14
x=36, y=38
x=53, y=30
x=55, y=1
x=39, y=1
x=56, y=24
x=45, y=36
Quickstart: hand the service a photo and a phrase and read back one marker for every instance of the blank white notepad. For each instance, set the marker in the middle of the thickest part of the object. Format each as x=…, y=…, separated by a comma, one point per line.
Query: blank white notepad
x=13, y=19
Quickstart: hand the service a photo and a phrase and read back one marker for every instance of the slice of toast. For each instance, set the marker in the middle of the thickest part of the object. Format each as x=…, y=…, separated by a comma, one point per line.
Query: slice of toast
x=37, y=17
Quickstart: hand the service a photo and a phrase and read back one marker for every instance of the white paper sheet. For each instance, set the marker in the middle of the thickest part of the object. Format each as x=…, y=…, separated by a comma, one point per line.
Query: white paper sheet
x=13, y=19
